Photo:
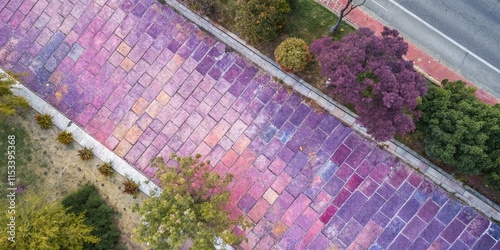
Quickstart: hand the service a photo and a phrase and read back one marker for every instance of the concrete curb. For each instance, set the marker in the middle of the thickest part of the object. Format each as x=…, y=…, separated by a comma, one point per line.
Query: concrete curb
x=410, y=157
x=84, y=139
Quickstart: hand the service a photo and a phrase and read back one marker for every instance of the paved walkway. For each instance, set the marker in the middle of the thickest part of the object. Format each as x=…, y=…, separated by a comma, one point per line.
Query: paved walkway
x=144, y=81
x=423, y=62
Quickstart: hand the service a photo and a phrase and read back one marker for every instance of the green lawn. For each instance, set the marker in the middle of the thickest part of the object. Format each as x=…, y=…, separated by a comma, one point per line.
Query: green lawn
x=22, y=156
x=310, y=20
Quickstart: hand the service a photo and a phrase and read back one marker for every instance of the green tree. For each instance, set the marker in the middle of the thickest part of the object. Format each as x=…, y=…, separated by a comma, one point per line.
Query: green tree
x=192, y=205
x=8, y=101
x=261, y=20
x=460, y=130
x=98, y=215
x=40, y=224
x=293, y=54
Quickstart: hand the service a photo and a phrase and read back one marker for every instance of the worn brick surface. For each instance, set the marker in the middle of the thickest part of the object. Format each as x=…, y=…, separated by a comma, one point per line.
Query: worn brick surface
x=306, y=180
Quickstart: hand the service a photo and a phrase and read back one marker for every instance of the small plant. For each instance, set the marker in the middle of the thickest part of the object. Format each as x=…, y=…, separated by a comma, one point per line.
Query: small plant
x=65, y=137
x=131, y=187
x=261, y=21
x=292, y=54
x=106, y=169
x=44, y=121
x=86, y=154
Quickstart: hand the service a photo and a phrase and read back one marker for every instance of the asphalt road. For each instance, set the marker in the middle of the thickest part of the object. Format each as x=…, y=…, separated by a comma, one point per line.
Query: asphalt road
x=463, y=34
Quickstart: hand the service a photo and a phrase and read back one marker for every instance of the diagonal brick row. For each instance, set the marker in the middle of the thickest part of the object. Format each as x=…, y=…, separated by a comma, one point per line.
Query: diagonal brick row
x=145, y=82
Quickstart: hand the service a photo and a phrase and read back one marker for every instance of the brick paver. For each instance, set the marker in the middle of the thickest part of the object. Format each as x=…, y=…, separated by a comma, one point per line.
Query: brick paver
x=144, y=82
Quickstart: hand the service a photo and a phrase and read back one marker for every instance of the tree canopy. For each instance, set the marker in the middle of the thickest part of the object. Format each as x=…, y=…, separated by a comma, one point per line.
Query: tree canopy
x=40, y=224
x=191, y=206
x=369, y=72
x=460, y=130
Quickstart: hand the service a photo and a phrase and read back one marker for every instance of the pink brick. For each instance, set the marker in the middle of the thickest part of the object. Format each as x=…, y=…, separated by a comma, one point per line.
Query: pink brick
x=257, y=190
x=281, y=182
x=353, y=182
x=328, y=214
x=399, y=176
x=368, y=187
x=344, y=172
x=341, y=197
x=307, y=218
x=415, y=179
x=277, y=166
x=258, y=210
x=322, y=200
x=294, y=211
x=310, y=235
x=368, y=235
x=380, y=173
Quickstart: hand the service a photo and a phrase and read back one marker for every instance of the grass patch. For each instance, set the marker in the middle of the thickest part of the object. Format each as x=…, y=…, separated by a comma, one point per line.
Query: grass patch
x=309, y=20
x=23, y=154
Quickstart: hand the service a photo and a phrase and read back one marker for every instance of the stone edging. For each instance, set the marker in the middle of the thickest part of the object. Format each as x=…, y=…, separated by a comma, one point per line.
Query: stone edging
x=428, y=169
x=84, y=139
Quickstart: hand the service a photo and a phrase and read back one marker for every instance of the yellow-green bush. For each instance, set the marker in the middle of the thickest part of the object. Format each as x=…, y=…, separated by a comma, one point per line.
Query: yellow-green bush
x=261, y=20
x=292, y=54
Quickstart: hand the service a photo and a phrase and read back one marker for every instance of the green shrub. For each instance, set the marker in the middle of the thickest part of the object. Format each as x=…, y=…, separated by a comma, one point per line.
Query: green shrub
x=292, y=54
x=98, y=215
x=44, y=121
x=86, y=154
x=192, y=205
x=106, y=169
x=44, y=224
x=205, y=7
x=8, y=101
x=130, y=187
x=65, y=137
x=261, y=20
x=460, y=130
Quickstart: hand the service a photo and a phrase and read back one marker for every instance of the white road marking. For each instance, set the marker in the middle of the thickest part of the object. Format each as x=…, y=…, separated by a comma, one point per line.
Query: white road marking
x=445, y=36
x=380, y=5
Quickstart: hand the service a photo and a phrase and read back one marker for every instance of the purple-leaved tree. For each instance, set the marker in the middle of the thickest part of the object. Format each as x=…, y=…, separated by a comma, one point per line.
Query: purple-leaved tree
x=369, y=72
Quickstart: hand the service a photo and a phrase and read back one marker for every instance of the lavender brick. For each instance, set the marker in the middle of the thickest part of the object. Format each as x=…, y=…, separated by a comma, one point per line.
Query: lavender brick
x=485, y=242
x=448, y=212
x=494, y=231
x=327, y=170
x=333, y=186
x=329, y=123
x=281, y=116
x=390, y=232
x=300, y=114
x=419, y=244
x=401, y=242
x=267, y=132
x=286, y=132
x=296, y=164
x=349, y=232
x=246, y=203
x=392, y=205
x=453, y=230
x=351, y=206
x=298, y=184
x=432, y=230
x=458, y=245
x=466, y=215
x=336, y=138
x=369, y=209
x=409, y=209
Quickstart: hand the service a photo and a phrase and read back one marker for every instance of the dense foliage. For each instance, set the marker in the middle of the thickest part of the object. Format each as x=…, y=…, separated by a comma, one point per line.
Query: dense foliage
x=98, y=215
x=205, y=7
x=460, y=130
x=40, y=224
x=192, y=205
x=261, y=20
x=292, y=54
x=8, y=101
x=369, y=72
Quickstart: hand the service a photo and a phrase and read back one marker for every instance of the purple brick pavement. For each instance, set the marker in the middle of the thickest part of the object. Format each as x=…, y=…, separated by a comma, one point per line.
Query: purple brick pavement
x=145, y=82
